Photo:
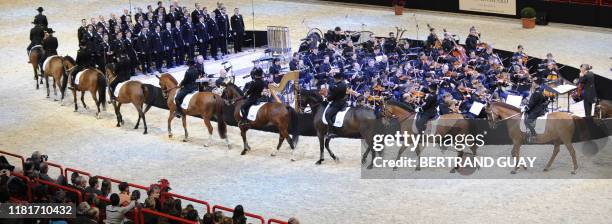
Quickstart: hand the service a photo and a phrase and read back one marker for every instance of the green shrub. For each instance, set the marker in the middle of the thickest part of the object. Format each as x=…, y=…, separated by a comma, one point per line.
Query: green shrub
x=528, y=12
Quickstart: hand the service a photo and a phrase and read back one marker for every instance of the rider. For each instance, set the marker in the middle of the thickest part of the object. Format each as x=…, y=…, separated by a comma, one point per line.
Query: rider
x=427, y=109
x=40, y=18
x=252, y=95
x=188, y=85
x=50, y=43
x=337, y=101
x=36, y=36
x=536, y=108
x=122, y=72
x=83, y=60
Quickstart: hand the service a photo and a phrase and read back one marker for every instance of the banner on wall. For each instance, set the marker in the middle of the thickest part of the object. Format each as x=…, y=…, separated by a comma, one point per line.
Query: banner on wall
x=506, y=7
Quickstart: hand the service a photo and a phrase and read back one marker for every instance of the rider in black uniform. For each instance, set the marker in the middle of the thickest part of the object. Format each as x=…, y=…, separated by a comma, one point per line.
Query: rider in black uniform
x=337, y=101
x=252, y=95
x=83, y=60
x=536, y=108
x=187, y=86
x=122, y=72
x=427, y=109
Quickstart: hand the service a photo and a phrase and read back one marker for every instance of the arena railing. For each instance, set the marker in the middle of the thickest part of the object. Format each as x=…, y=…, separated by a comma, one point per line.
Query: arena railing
x=168, y=194
x=28, y=183
x=78, y=194
x=68, y=169
x=15, y=156
x=61, y=169
x=163, y=215
x=270, y=221
x=251, y=215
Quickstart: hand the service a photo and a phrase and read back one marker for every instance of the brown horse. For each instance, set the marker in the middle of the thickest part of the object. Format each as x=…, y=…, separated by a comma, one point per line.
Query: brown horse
x=560, y=128
x=451, y=124
x=279, y=115
x=133, y=92
x=91, y=80
x=603, y=109
x=358, y=122
x=54, y=67
x=36, y=54
x=203, y=104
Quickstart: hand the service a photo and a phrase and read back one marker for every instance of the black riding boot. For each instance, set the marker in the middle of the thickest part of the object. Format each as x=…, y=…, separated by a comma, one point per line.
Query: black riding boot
x=331, y=132
x=179, y=111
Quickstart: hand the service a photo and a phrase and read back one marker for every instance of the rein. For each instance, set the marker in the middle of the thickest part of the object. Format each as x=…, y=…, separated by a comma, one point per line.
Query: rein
x=519, y=113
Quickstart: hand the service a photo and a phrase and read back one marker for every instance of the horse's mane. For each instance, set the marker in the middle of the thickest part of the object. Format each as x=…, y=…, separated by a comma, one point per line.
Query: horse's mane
x=234, y=86
x=505, y=105
x=170, y=77
x=70, y=59
x=312, y=93
x=402, y=105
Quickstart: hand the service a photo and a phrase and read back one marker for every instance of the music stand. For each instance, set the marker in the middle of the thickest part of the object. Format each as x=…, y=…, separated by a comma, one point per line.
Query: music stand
x=560, y=90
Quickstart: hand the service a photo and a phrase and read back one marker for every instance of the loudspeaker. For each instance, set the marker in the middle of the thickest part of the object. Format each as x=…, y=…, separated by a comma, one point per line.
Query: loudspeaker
x=541, y=18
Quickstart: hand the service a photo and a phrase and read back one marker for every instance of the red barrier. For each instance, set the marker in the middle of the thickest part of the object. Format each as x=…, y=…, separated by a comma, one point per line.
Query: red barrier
x=163, y=215
x=56, y=166
x=270, y=221
x=68, y=189
x=75, y=171
x=189, y=199
x=258, y=217
x=16, y=156
x=146, y=189
x=28, y=183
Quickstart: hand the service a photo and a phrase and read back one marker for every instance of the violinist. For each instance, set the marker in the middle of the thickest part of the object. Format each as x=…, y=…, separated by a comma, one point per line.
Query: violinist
x=432, y=39
x=520, y=56
x=550, y=72
x=390, y=43
x=403, y=49
x=324, y=70
x=471, y=42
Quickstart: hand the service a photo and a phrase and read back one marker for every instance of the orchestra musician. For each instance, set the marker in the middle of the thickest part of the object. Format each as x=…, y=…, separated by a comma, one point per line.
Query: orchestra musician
x=471, y=42
x=587, y=86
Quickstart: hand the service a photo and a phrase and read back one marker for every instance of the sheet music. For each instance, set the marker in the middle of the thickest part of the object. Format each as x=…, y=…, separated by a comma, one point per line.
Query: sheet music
x=562, y=89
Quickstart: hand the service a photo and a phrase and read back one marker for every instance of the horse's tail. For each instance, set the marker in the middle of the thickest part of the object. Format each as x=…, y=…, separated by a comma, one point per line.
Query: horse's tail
x=588, y=129
x=294, y=128
x=102, y=90
x=222, y=126
x=64, y=77
x=145, y=92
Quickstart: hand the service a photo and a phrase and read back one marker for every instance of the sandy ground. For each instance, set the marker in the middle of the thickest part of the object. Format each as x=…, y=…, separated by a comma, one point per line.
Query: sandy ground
x=276, y=187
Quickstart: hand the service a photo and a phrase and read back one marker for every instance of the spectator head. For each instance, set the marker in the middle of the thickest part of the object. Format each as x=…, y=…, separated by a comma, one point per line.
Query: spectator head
x=114, y=198
x=60, y=196
x=93, y=182
x=61, y=180
x=293, y=220
x=106, y=187
x=136, y=195
x=82, y=209
x=218, y=216
x=92, y=213
x=191, y=214
x=82, y=182
x=73, y=178
x=92, y=199
x=123, y=187
x=238, y=212
x=35, y=156
x=178, y=205
x=150, y=203
x=207, y=219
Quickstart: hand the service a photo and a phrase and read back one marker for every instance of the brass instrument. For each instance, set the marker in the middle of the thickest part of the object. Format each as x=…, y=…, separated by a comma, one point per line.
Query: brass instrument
x=290, y=76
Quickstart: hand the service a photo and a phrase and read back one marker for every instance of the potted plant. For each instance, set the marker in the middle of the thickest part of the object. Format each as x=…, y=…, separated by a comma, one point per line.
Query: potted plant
x=399, y=7
x=528, y=17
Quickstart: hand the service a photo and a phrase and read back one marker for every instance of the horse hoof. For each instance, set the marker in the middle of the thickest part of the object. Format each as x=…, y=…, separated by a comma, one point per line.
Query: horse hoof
x=55, y=100
x=453, y=170
x=185, y=140
x=319, y=162
x=273, y=154
x=145, y=133
x=229, y=147
x=337, y=159
x=243, y=152
x=395, y=168
x=574, y=172
x=206, y=144
x=545, y=170
x=117, y=125
x=513, y=172
x=136, y=127
x=293, y=160
x=370, y=167
x=417, y=169
x=48, y=97
x=170, y=136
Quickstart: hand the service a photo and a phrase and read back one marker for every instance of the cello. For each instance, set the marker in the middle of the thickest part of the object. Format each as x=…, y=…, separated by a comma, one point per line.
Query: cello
x=458, y=51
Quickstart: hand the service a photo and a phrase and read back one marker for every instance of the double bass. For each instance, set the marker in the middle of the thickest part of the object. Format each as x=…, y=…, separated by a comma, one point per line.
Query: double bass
x=458, y=51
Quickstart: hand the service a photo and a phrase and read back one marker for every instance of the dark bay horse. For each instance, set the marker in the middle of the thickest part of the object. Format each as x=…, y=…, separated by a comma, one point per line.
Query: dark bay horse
x=560, y=128
x=133, y=92
x=358, y=122
x=54, y=67
x=92, y=80
x=279, y=115
x=36, y=54
x=203, y=104
x=451, y=124
x=603, y=109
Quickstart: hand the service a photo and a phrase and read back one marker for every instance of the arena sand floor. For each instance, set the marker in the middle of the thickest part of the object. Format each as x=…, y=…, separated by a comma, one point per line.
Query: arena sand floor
x=274, y=186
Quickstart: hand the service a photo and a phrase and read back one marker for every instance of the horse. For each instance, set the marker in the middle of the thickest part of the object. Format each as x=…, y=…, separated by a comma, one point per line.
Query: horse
x=54, y=67
x=92, y=80
x=603, y=109
x=358, y=122
x=560, y=128
x=283, y=117
x=204, y=104
x=448, y=124
x=36, y=54
x=133, y=92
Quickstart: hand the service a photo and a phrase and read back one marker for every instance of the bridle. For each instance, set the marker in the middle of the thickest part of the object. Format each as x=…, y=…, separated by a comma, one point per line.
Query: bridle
x=494, y=122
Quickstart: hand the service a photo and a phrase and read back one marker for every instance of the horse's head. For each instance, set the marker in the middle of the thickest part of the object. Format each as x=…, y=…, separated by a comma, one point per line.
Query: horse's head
x=110, y=72
x=310, y=97
x=167, y=83
x=394, y=109
x=230, y=93
x=68, y=62
x=492, y=116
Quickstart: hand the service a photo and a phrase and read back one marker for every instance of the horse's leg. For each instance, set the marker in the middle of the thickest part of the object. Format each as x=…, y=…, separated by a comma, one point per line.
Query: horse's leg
x=364, y=157
x=117, y=114
x=139, y=110
x=95, y=98
x=144, y=121
x=399, y=154
x=83, y=100
x=329, y=150
x=280, y=142
x=55, y=86
x=419, y=150
x=209, y=127
x=184, y=118
x=76, y=106
x=47, y=85
x=170, y=117
x=570, y=148
x=516, y=151
x=321, y=148
x=554, y=155
x=246, y=146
